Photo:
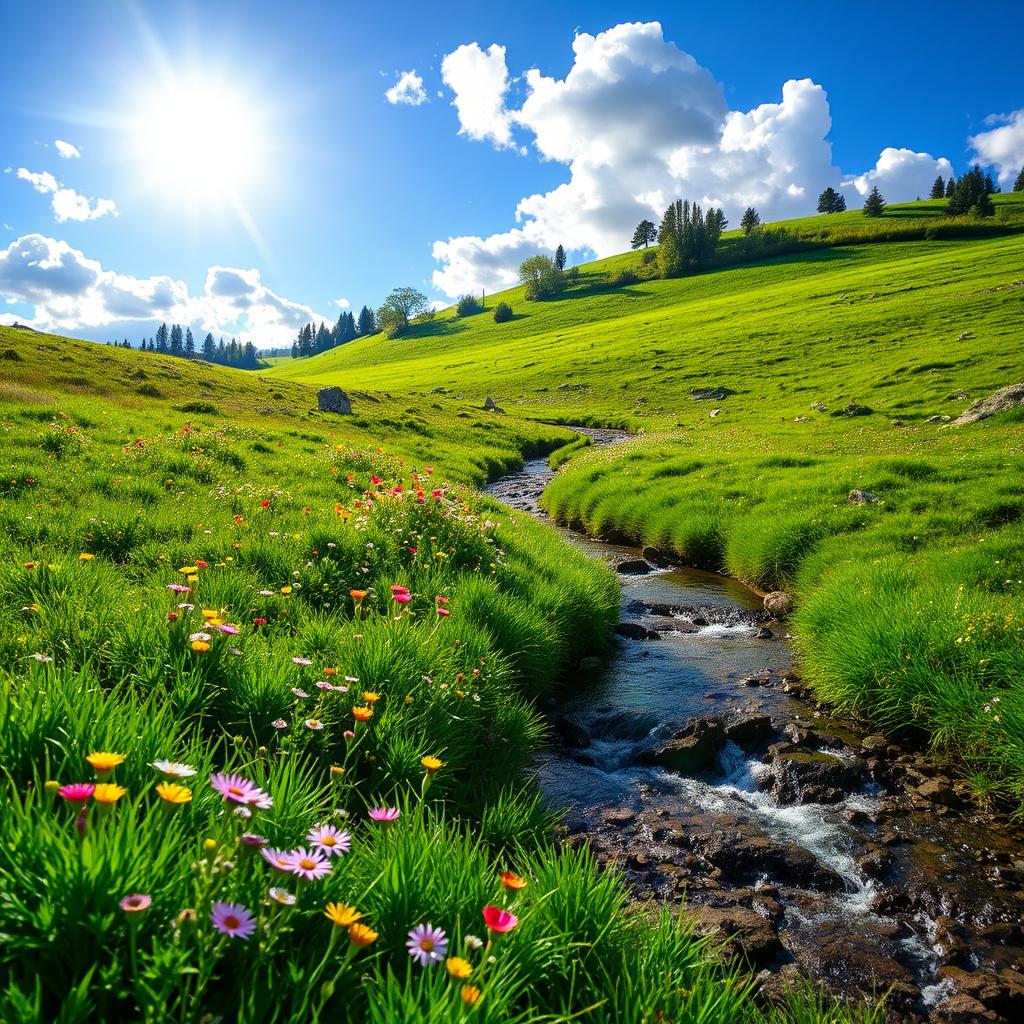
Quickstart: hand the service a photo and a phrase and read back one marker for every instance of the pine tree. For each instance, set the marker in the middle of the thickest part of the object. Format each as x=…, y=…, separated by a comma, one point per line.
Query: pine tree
x=1018, y=182
x=971, y=196
x=560, y=258
x=938, y=188
x=322, y=341
x=161, y=338
x=222, y=352
x=646, y=234
x=990, y=185
x=190, y=344
x=750, y=221
x=176, y=340
x=209, y=348
x=950, y=186
x=295, y=350
x=874, y=205
x=367, y=323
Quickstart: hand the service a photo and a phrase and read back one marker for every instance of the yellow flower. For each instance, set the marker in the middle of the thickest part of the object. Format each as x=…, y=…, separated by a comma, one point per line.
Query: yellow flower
x=458, y=968
x=342, y=914
x=286, y=590
x=108, y=793
x=370, y=697
x=470, y=994
x=85, y=557
x=200, y=645
x=361, y=714
x=431, y=763
x=104, y=761
x=210, y=613
x=410, y=699
x=361, y=935
x=173, y=793
x=188, y=570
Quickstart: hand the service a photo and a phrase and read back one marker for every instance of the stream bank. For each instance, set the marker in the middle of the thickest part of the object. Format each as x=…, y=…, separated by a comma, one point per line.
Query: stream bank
x=694, y=761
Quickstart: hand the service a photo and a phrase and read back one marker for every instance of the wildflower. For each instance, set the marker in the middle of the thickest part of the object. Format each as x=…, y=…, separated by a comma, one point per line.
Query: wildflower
x=358, y=595
x=498, y=920
x=85, y=557
x=237, y=790
x=360, y=935
x=384, y=815
x=361, y=714
x=104, y=762
x=209, y=845
x=512, y=881
x=178, y=588
x=286, y=590
x=443, y=612
x=108, y=793
x=135, y=903
x=254, y=841
x=228, y=629
x=473, y=942
x=278, y=859
x=259, y=621
x=202, y=565
x=313, y=724
x=431, y=763
x=264, y=503
x=370, y=697
x=458, y=968
x=301, y=661
x=470, y=995
x=173, y=794
x=402, y=598
x=342, y=914
x=308, y=864
x=200, y=646
x=43, y=659
x=397, y=588
x=329, y=840
x=330, y=671
x=173, y=769
x=298, y=692
x=279, y=723
x=189, y=570
x=427, y=944
x=233, y=920
x=281, y=896
x=77, y=793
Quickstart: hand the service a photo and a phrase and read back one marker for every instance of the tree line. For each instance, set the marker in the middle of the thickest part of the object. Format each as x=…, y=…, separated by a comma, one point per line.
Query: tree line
x=312, y=340
x=175, y=340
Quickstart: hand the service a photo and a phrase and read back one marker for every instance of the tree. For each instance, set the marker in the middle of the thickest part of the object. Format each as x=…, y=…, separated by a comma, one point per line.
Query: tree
x=367, y=324
x=541, y=278
x=646, y=234
x=971, y=195
x=938, y=188
x=560, y=258
x=190, y=344
x=176, y=341
x=688, y=236
x=468, y=305
x=950, y=186
x=209, y=348
x=399, y=308
x=874, y=205
x=161, y=338
x=1018, y=182
x=322, y=341
x=831, y=201
x=502, y=313
x=750, y=221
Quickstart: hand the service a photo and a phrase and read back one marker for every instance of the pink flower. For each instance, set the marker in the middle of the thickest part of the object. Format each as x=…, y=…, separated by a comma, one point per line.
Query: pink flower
x=298, y=692
x=329, y=840
x=253, y=840
x=498, y=920
x=229, y=629
x=301, y=661
x=178, y=588
x=279, y=723
x=233, y=920
x=77, y=793
x=398, y=589
x=386, y=815
x=237, y=790
x=135, y=903
x=402, y=598
x=308, y=864
x=443, y=612
x=278, y=859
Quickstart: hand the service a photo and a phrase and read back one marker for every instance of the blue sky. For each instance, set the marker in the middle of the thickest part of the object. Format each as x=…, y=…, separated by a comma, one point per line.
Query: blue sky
x=256, y=139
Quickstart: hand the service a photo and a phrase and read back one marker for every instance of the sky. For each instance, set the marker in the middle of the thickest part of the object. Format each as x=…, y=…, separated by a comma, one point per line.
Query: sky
x=245, y=167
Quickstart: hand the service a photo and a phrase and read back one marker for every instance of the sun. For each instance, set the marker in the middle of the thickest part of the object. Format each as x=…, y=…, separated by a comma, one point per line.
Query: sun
x=200, y=140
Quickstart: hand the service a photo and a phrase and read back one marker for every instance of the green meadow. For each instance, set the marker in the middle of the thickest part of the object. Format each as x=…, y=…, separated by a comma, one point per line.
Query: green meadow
x=270, y=684
x=844, y=363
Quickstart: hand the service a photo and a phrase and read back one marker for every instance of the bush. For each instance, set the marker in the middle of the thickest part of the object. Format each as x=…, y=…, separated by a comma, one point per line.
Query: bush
x=649, y=256
x=541, y=278
x=503, y=313
x=621, y=278
x=468, y=305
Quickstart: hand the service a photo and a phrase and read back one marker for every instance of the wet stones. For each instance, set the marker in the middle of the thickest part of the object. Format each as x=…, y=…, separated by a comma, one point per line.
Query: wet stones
x=654, y=556
x=633, y=567
x=572, y=733
x=746, y=933
x=747, y=859
x=636, y=631
x=811, y=777
x=750, y=731
x=778, y=603
x=689, y=749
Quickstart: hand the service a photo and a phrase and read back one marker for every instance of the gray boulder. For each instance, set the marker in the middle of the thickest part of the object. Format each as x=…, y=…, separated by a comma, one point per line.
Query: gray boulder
x=334, y=400
x=490, y=405
x=1007, y=398
x=778, y=603
x=856, y=497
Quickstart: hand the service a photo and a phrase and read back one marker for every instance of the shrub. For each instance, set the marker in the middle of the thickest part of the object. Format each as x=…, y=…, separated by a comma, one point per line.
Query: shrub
x=540, y=277
x=502, y=313
x=468, y=305
x=622, y=277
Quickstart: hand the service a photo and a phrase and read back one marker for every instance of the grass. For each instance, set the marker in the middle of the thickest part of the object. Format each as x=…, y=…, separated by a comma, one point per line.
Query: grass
x=207, y=577
x=909, y=609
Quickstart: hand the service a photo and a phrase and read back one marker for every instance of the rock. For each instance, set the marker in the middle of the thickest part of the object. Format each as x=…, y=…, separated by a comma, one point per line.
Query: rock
x=749, y=859
x=1002, y=992
x=490, y=405
x=1007, y=398
x=689, y=749
x=938, y=791
x=854, y=409
x=619, y=816
x=633, y=567
x=635, y=631
x=624, y=725
x=778, y=603
x=856, y=497
x=654, y=556
x=573, y=734
x=749, y=731
x=805, y=777
x=747, y=933
x=819, y=407
x=334, y=400
x=439, y=391
x=938, y=419
x=961, y=1009
x=591, y=663
x=874, y=745
x=801, y=419
x=764, y=633
x=713, y=394
x=715, y=412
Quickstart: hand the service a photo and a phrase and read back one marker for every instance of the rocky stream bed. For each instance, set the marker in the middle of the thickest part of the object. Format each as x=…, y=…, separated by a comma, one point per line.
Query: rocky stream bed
x=694, y=760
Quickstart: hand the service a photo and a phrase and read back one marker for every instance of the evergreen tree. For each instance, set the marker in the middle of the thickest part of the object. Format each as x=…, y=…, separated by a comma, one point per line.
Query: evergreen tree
x=161, y=338
x=831, y=201
x=560, y=258
x=750, y=221
x=971, y=196
x=209, y=348
x=990, y=185
x=688, y=236
x=190, y=344
x=222, y=352
x=306, y=341
x=874, y=205
x=367, y=324
x=322, y=342
x=1018, y=182
x=938, y=188
x=176, y=340
x=646, y=234
x=950, y=186
x=249, y=358
x=295, y=350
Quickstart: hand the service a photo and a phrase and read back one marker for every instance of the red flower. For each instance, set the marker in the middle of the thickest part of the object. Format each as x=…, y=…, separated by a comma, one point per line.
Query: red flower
x=265, y=503
x=202, y=565
x=259, y=622
x=498, y=920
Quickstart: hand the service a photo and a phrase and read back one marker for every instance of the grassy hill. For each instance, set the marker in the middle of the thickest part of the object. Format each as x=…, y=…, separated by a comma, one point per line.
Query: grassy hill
x=910, y=608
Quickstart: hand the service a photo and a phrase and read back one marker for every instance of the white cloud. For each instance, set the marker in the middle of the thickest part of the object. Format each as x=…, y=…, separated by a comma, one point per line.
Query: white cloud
x=341, y=303
x=66, y=150
x=1002, y=147
x=71, y=292
x=638, y=122
x=900, y=174
x=479, y=79
x=408, y=89
x=67, y=204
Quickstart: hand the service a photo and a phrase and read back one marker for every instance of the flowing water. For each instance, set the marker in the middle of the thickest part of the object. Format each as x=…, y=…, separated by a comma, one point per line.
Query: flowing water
x=877, y=889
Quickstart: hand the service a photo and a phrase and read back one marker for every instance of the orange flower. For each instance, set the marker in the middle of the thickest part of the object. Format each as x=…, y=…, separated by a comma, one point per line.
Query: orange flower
x=470, y=994
x=361, y=935
x=370, y=697
x=104, y=762
x=108, y=793
x=200, y=646
x=362, y=714
x=458, y=968
x=512, y=881
x=358, y=595
x=342, y=915
x=173, y=793
x=330, y=671
x=431, y=763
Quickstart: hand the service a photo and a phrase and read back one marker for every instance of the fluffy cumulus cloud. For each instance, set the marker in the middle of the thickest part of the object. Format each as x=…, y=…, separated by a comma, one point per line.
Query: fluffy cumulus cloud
x=71, y=292
x=479, y=80
x=900, y=174
x=67, y=204
x=408, y=89
x=638, y=122
x=66, y=149
x=1002, y=146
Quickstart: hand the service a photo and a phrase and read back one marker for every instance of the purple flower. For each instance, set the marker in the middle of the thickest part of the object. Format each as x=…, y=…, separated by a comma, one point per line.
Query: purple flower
x=298, y=692
x=279, y=723
x=137, y=902
x=237, y=790
x=329, y=840
x=233, y=920
x=384, y=814
x=229, y=629
x=253, y=840
x=308, y=864
x=278, y=859
x=178, y=588
x=427, y=945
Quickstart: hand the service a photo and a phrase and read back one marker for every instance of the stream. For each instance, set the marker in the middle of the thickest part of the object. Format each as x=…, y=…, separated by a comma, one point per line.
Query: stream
x=693, y=760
